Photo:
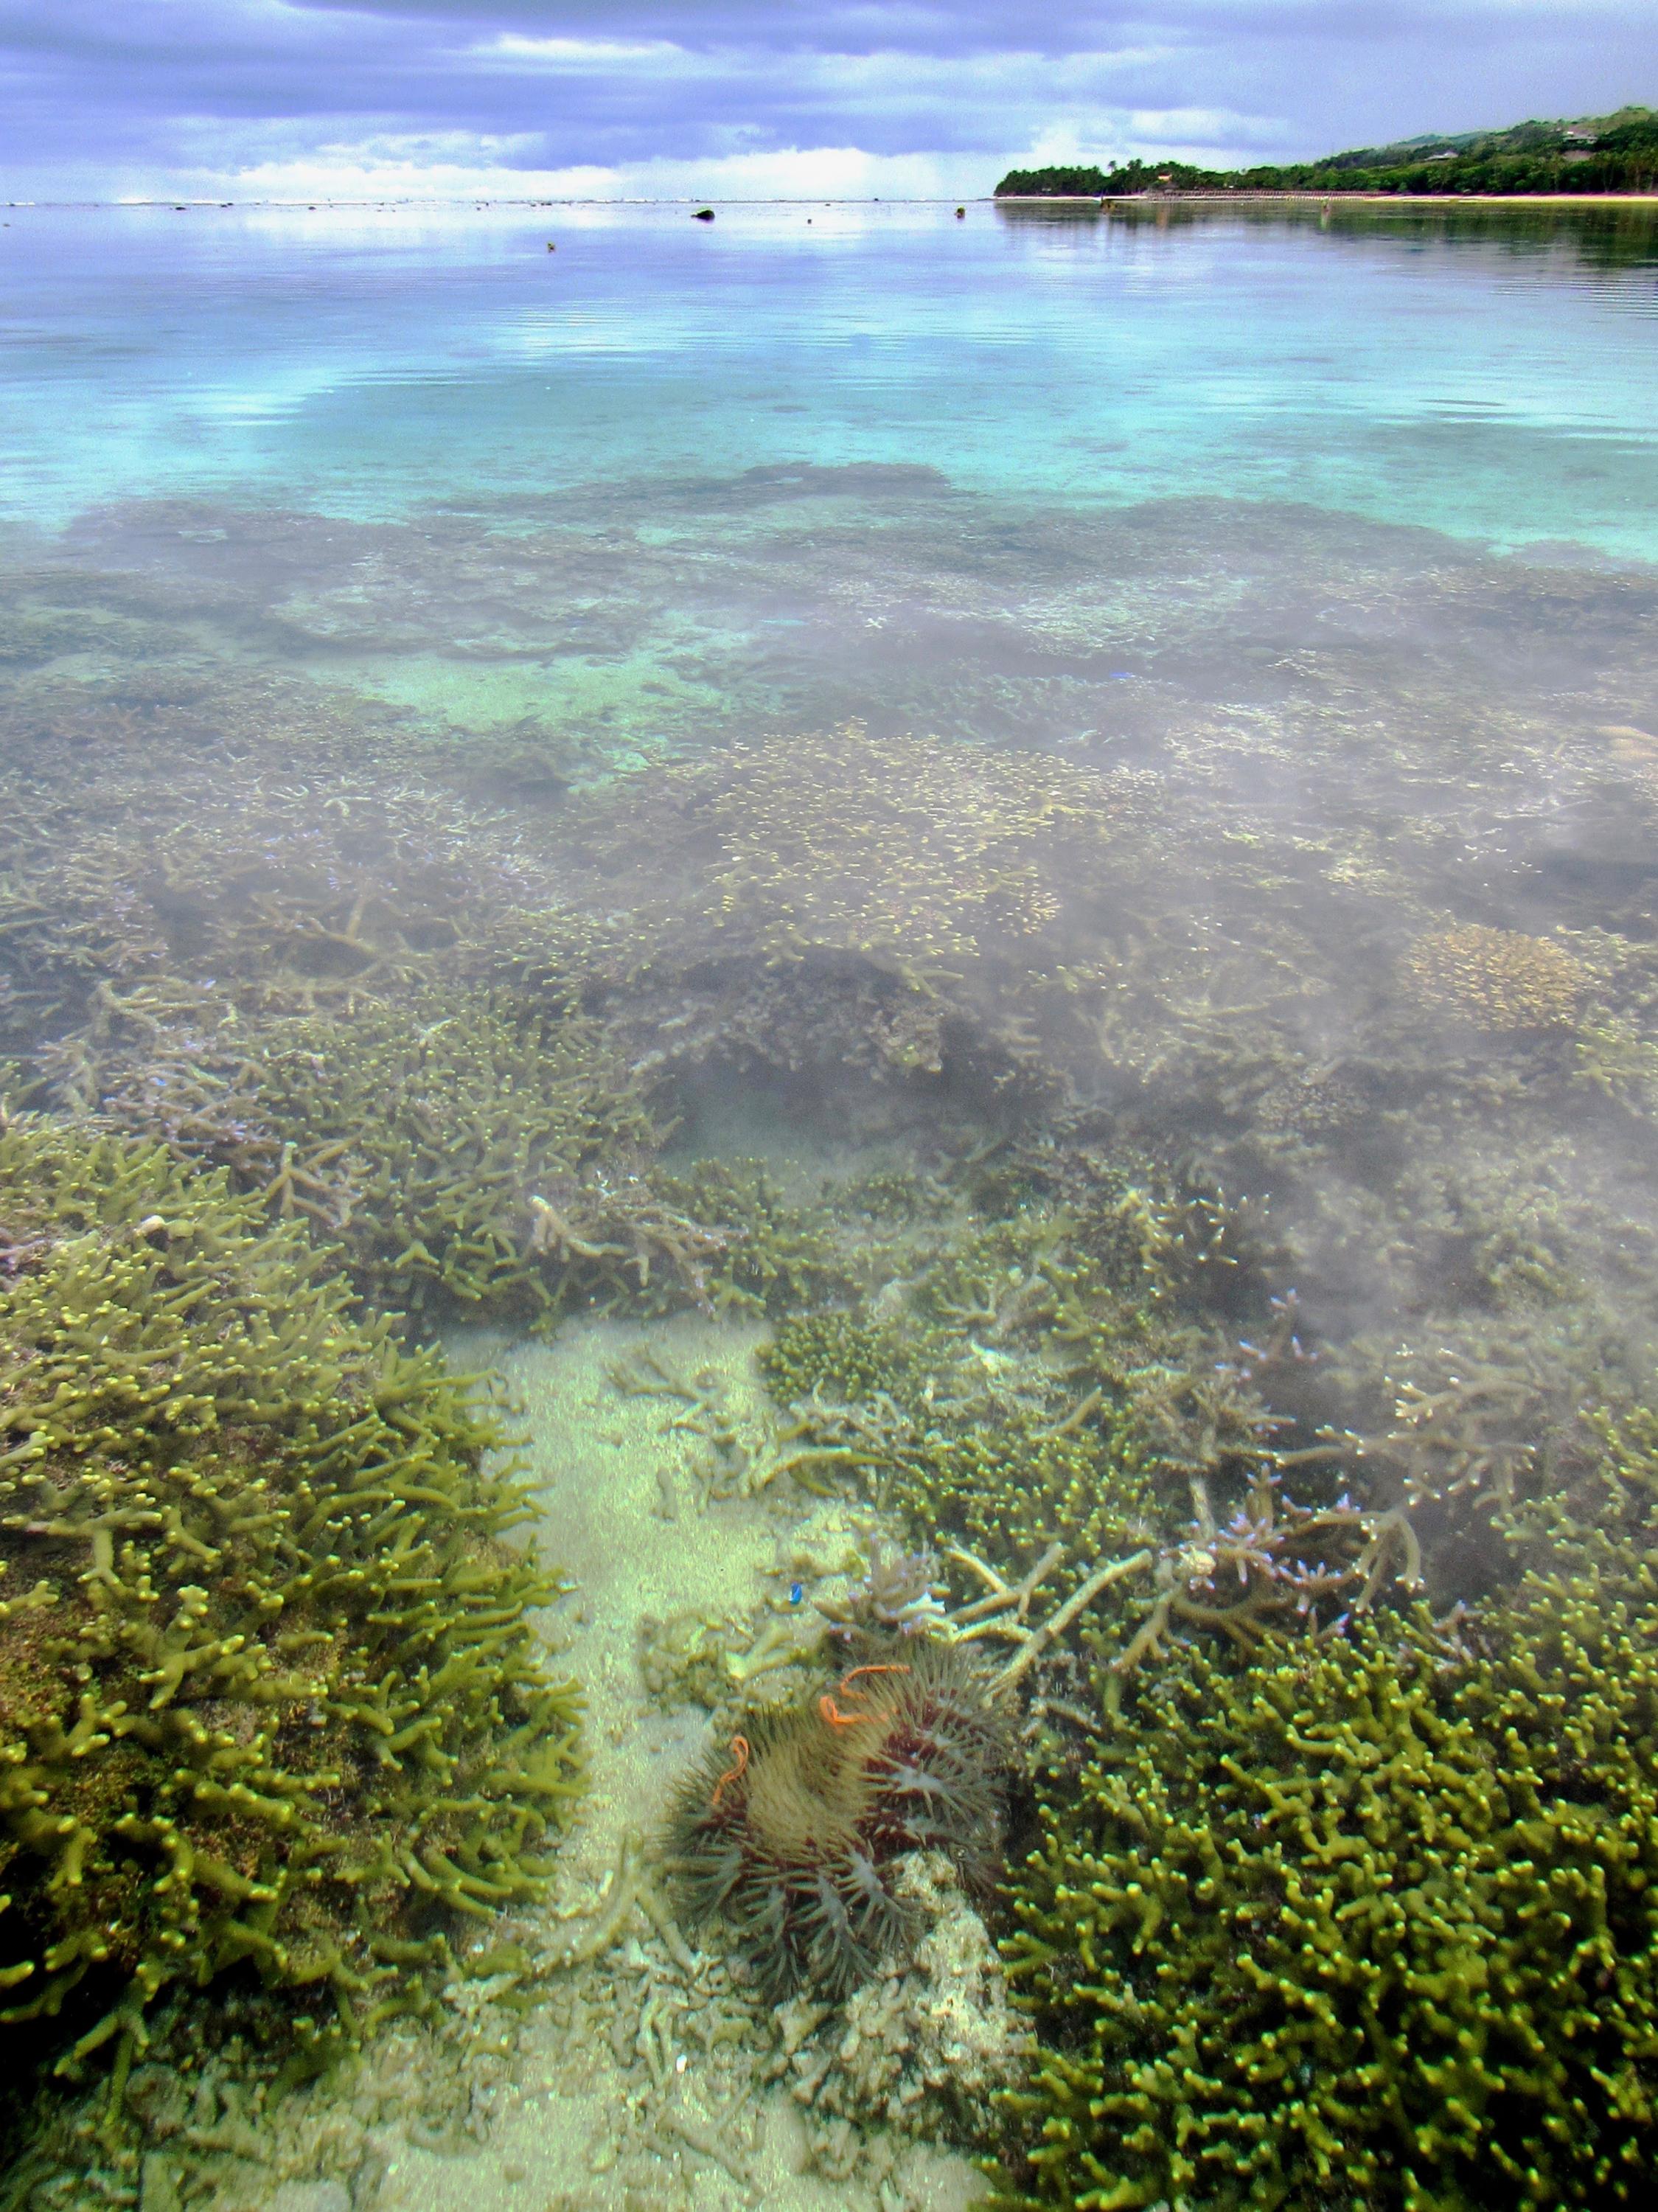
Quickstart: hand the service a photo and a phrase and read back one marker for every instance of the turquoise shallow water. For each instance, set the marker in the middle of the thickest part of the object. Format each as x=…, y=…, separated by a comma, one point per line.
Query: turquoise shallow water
x=1490, y=376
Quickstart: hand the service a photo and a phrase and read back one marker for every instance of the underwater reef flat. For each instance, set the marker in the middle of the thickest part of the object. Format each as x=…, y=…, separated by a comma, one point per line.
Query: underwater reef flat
x=1092, y=1153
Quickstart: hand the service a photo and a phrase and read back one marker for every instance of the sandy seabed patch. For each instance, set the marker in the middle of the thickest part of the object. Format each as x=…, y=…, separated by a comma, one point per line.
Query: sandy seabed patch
x=633, y=2087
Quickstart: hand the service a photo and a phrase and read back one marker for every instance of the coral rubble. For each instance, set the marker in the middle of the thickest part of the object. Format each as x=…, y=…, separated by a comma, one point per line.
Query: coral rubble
x=924, y=2048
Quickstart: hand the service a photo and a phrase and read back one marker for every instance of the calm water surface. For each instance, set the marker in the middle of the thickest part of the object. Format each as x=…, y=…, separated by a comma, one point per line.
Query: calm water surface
x=1486, y=376
x=992, y=719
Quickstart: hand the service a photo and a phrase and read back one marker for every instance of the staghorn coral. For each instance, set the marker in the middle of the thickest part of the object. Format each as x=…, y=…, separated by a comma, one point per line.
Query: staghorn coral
x=290, y=880
x=1364, y=1921
x=1164, y=1483
x=792, y=1835
x=466, y=1147
x=772, y=1255
x=269, y=1694
x=910, y=848
x=1497, y=979
x=1273, y=1564
x=469, y=1148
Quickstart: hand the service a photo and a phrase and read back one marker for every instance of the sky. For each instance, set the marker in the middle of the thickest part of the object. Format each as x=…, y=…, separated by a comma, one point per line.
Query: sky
x=752, y=98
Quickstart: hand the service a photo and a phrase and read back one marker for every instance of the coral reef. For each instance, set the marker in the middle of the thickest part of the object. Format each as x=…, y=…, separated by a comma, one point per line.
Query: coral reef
x=1499, y=978
x=913, y=850
x=467, y=1148
x=269, y=1692
x=1362, y=1920
x=434, y=1000
x=1078, y=1436
x=449, y=1141
x=262, y=857
x=792, y=1833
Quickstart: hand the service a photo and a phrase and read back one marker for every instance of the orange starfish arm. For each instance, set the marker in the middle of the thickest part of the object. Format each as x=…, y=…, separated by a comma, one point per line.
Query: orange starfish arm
x=841, y=1687
x=740, y=1753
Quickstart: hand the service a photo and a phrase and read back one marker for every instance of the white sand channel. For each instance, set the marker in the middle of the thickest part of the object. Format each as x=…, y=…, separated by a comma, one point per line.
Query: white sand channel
x=639, y=2079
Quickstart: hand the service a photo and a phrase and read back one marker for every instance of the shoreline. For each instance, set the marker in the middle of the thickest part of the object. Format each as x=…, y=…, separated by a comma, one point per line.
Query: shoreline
x=1329, y=198
x=968, y=199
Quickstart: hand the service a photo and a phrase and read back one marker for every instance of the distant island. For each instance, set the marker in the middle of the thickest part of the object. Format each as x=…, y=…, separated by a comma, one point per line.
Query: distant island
x=1595, y=154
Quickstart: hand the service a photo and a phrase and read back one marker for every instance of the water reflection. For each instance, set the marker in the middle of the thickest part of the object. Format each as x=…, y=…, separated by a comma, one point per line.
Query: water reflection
x=1606, y=237
x=364, y=363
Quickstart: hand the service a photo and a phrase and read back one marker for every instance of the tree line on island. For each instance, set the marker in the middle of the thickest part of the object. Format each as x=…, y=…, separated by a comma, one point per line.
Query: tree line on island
x=1596, y=154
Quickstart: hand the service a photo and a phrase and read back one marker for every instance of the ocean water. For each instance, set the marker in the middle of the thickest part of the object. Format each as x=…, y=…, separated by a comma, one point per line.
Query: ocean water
x=1451, y=372
x=842, y=845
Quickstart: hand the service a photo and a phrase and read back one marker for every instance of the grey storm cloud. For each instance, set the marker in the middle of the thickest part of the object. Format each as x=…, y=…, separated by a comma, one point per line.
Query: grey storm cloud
x=558, y=82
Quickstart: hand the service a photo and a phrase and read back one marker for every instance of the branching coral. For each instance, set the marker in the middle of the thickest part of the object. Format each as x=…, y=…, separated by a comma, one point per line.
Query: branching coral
x=268, y=1690
x=450, y=1142
x=434, y=1031
x=772, y=1255
x=1164, y=1483
x=274, y=890
x=1271, y=1561
x=1477, y=1423
x=1363, y=1920
x=1499, y=978
x=913, y=850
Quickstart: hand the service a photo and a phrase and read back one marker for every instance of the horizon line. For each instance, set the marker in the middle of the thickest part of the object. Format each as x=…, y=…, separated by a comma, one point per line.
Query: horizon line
x=684, y=199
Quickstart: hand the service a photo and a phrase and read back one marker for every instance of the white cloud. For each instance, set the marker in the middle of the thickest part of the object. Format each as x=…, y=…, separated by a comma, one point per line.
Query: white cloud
x=425, y=168
x=169, y=97
x=582, y=53
x=1211, y=135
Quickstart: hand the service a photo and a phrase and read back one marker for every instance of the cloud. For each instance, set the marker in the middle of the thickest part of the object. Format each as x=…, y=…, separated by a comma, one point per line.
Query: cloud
x=231, y=95
x=426, y=167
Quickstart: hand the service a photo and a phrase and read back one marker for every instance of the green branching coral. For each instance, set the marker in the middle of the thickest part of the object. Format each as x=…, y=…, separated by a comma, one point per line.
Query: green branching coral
x=268, y=1690
x=841, y=1359
x=763, y=1253
x=1044, y=1386
x=434, y=1139
x=422, y=1136
x=470, y=1148
x=1009, y=1488
x=1363, y=1923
